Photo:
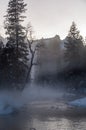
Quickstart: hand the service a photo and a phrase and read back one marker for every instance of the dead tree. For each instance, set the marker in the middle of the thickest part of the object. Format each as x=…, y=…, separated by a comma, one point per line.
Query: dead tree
x=30, y=41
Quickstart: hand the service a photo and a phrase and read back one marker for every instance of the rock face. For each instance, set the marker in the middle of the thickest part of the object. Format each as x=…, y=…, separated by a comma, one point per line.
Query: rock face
x=49, y=57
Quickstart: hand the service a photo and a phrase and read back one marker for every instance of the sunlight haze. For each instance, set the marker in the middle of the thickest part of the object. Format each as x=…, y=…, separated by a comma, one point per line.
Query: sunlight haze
x=51, y=17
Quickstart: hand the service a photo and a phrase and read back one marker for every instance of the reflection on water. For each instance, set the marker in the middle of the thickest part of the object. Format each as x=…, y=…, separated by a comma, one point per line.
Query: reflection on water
x=60, y=124
x=30, y=118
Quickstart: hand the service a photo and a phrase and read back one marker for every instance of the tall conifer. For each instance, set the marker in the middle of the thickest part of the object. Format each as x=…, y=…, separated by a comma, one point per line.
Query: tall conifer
x=16, y=47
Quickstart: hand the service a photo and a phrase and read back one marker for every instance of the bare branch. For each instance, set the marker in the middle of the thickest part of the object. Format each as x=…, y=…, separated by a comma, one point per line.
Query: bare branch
x=30, y=41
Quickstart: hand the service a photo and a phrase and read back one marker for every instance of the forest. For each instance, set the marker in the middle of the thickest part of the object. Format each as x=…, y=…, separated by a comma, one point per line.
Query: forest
x=18, y=54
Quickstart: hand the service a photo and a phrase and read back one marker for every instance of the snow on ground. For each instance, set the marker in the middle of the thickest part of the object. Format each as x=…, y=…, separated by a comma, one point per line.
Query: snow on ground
x=79, y=102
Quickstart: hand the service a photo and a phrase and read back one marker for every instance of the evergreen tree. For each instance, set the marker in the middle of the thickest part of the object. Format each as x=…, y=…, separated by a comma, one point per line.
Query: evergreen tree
x=16, y=50
x=74, y=32
x=73, y=48
x=1, y=51
x=14, y=17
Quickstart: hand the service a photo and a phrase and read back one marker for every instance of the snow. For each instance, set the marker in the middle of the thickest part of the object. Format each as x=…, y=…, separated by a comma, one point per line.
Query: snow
x=79, y=102
x=4, y=40
x=20, y=59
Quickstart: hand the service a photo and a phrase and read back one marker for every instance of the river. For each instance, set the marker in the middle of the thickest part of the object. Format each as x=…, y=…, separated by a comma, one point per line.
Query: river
x=45, y=115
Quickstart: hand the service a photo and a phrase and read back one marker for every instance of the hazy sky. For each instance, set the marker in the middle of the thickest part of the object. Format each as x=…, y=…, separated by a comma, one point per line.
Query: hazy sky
x=51, y=17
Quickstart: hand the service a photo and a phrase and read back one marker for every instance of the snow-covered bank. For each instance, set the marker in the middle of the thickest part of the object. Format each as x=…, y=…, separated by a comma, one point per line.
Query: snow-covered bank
x=79, y=102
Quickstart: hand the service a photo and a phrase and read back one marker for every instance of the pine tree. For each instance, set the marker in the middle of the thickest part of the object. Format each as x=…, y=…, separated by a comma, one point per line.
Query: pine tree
x=14, y=17
x=16, y=50
x=73, y=48
x=1, y=51
x=74, y=32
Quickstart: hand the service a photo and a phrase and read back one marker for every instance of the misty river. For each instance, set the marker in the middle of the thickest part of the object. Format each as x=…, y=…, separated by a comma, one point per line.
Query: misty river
x=45, y=113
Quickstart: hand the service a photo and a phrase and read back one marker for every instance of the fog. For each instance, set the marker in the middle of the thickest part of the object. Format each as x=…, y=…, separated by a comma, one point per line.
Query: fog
x=11, y=101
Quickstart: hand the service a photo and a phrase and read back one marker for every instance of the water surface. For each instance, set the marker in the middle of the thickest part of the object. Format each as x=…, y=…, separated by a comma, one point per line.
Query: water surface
x=45, y=115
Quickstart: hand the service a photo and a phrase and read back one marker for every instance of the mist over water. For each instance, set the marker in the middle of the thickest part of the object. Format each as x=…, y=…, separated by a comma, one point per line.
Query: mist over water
x=15, y=100
x=37, y=107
